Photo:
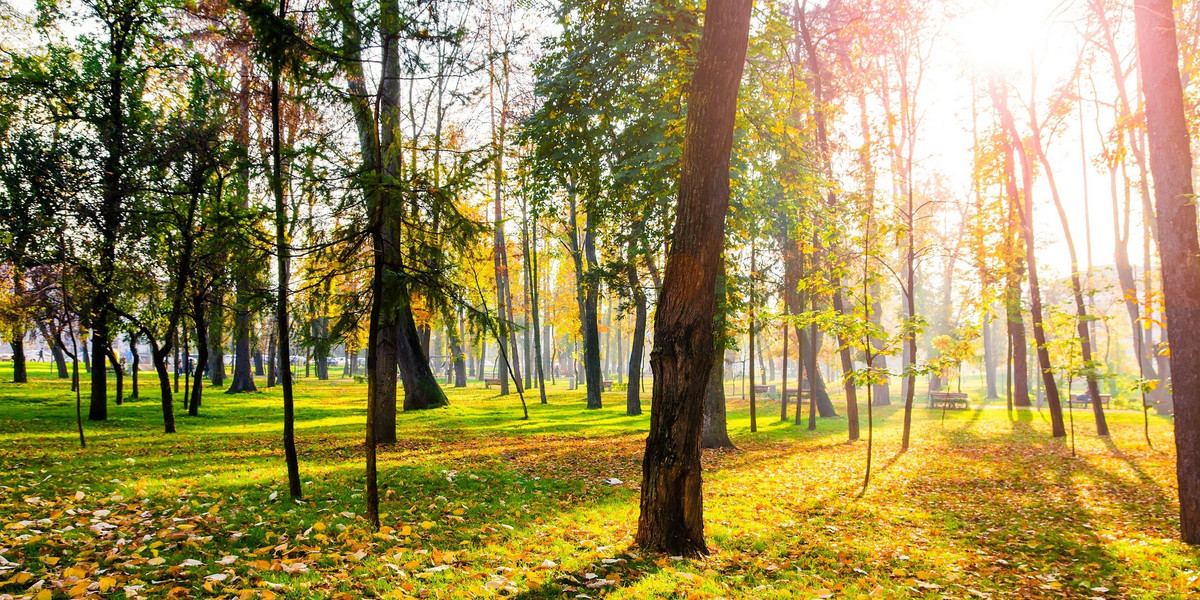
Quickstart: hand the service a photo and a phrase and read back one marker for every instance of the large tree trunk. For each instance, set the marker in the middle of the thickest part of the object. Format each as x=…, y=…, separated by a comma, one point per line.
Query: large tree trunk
x=98, y=409
x=243, y=377
x=421, y=389
x=1171, y=163
x=714, y=432
x=672, y=514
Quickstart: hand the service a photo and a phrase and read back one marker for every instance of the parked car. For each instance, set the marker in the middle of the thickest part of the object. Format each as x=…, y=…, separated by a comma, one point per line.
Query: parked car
x=337, y=361
x=6, y=357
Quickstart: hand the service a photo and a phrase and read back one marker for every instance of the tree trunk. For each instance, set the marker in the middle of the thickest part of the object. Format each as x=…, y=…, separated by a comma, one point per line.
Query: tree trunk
x=1057, y=426
x=421, y=388
x=199, y=317
x=243, y=377
x=1171, y=164
x=272, y=362
x=847, y=371
x=459, y=359
x=1085, y=338
x=216, y=343
x=714, y=433
x=591, y=325
x=750, y=354
x=134, y=366
x=98, y=408
x=283, y=259
x=159, y=359
x=672, y=516
x=60, y=361
x=118, y=371
x=17, y=343
x=633, y=397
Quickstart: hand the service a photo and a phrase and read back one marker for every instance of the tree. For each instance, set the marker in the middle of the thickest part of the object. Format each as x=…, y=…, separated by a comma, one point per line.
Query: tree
x=671, y=518
x=1171, y=164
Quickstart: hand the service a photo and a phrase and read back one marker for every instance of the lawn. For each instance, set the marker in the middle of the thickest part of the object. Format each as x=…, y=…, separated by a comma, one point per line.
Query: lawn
x=479, y=503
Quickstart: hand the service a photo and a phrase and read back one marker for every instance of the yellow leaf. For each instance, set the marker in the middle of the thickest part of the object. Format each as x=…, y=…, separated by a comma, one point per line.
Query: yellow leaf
x=268, y=595
x=106, y=583
x=427, y=525
x=43, y=595
x=319, y=526
x=79, y=589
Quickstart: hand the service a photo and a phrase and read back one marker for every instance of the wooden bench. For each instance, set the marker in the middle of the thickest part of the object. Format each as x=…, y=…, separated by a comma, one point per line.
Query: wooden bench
x=765, y=389
x=607, y=386
x=955, y=400
x=490, y=381
x=804, y=394
x=1086, y=401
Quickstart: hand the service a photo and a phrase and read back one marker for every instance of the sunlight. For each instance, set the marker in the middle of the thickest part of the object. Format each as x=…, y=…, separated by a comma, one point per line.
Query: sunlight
x=1000, y=37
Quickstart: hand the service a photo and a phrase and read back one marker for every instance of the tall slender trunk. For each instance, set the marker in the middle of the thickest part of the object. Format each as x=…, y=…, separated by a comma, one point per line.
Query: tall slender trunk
x=1057, y=425
x=200, y=320
x=283, y=260
x=633, y=397
x=1085, y=338
x=750, y=355
x=134, y=366
x=591, y=308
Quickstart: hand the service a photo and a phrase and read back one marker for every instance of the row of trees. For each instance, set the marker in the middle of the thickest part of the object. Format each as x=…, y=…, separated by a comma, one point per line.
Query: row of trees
x=371, y=175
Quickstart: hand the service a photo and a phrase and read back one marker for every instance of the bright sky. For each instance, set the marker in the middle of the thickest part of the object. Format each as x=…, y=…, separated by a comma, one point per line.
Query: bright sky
x=1014, y=38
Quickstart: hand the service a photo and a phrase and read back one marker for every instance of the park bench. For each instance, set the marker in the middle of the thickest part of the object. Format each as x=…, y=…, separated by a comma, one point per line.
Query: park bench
x=608, y=386
x=804, y=394
x=948, y=400
x=490, y=381
x=765, y=389
x=1084, y=400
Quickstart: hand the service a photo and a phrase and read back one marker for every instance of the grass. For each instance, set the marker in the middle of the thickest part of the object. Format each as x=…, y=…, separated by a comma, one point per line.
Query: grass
x=480, y=503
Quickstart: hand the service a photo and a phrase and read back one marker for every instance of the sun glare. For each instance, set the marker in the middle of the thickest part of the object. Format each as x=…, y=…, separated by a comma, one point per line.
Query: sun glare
x=1000, y=36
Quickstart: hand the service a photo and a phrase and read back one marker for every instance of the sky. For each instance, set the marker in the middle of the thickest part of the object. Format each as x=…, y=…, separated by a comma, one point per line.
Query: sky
x=1014, y=38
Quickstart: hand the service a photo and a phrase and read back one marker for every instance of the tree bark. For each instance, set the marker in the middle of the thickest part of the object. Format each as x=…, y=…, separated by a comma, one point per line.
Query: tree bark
x=134, y=366
x=243, y=377
x=199, y=317
x=633, y=397
x=672, y=515
x=1171, y=164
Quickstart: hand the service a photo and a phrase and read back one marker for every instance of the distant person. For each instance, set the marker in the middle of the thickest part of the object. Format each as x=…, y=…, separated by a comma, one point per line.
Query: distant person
x=41, y=355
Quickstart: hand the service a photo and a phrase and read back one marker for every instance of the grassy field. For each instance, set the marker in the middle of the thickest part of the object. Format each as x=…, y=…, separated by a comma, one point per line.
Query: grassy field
x=480, y=503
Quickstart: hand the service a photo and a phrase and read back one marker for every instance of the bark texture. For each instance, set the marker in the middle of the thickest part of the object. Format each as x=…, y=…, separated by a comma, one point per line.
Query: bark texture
x=672, y=515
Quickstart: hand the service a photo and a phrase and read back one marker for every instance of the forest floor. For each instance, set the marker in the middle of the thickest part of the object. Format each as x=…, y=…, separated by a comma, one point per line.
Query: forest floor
x=479, y=502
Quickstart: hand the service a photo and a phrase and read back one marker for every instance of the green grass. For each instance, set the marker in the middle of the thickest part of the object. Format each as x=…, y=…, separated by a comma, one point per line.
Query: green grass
x=985, y=505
